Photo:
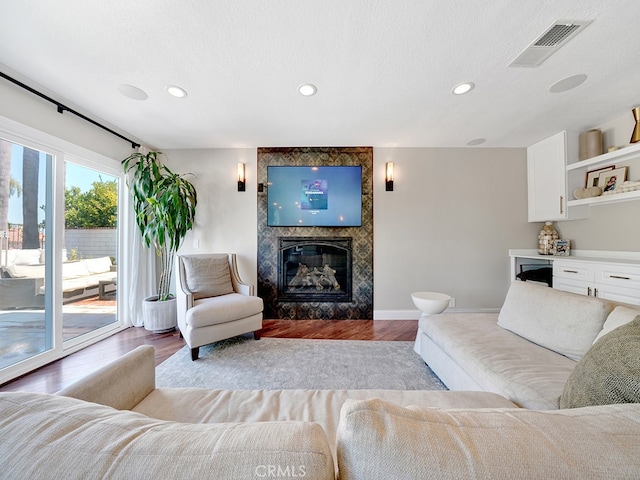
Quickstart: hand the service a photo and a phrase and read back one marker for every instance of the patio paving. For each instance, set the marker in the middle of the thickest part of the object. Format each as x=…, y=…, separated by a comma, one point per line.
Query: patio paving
x=22, y=332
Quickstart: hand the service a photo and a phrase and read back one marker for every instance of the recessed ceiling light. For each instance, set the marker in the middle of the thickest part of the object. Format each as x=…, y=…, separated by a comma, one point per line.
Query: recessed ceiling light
x=132, y=92
x=307, y=89
x=476, y=141
x=463, y=88
x=568, y=83
x=176, y=91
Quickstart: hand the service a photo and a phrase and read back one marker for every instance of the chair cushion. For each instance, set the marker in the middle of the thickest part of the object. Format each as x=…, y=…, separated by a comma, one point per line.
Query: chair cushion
x=498, y=360
x=609, y=372
x=222, y=309
x=564, y=322
x=207, y=275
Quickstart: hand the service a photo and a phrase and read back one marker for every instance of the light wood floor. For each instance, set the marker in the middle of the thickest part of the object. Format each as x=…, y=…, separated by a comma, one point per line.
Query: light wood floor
x=56, y=375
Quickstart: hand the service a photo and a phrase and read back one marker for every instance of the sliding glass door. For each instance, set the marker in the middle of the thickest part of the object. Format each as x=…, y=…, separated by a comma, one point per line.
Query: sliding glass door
x=59, y=249
x=89, y=268
x=25, y=324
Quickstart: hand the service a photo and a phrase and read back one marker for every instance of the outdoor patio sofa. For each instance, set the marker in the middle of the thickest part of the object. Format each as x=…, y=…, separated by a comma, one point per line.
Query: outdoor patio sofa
x=22, y=284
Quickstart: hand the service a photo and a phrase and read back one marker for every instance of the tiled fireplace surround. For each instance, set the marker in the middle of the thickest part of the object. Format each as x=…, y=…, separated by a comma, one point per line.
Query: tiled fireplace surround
x=361, y=304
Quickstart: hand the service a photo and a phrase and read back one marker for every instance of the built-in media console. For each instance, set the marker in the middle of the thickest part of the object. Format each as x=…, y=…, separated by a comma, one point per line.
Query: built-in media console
x=310, y=196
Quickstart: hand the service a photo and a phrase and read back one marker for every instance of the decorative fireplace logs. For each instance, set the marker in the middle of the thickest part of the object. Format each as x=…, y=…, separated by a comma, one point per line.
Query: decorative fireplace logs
x=314, y=278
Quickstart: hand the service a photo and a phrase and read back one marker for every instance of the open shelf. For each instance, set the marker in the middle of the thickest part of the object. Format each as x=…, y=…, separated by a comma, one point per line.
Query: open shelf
x=620, y=155
x=580, y=168
x=613, y=198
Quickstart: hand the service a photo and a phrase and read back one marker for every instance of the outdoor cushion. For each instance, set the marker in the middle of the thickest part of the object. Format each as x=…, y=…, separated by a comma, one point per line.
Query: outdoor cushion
x=75, y=269
x=98, y=265
x=25, y=271
x=27, y=256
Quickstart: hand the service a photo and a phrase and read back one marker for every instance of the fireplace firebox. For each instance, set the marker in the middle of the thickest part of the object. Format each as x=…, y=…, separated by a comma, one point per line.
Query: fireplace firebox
x=314, y=269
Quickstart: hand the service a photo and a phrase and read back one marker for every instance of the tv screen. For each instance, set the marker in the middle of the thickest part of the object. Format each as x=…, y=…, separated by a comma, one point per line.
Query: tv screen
x=314, y=196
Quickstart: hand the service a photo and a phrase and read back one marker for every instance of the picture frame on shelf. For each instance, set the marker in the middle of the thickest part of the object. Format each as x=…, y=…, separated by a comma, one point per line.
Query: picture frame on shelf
x=593, y=176
x=609, y=180
x=563, y=247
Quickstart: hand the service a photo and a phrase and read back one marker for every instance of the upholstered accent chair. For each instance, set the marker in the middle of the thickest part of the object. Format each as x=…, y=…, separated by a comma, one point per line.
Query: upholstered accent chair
x=212, y=301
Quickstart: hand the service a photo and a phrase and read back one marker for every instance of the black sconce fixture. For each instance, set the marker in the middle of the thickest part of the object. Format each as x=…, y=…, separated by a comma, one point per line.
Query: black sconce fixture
x=241, y=178
x=388, y=177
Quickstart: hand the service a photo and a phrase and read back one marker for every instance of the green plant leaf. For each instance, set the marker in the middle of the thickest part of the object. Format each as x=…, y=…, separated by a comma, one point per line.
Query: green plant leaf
x=165, y=206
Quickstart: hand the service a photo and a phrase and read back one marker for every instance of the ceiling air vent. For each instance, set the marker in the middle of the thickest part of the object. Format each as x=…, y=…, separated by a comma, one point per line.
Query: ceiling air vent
x=554, y=37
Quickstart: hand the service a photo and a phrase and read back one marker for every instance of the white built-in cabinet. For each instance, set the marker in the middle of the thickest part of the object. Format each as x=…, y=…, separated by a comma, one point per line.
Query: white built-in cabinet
x=547, y=179
x=554, y=172
x=613, y=276
x=612, y=281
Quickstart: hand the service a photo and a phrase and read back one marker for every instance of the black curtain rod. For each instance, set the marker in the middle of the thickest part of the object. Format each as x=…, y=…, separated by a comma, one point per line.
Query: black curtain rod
x=62, y=108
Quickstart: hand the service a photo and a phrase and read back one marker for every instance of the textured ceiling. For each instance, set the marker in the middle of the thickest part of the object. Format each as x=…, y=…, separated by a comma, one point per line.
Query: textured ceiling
x=384, y=69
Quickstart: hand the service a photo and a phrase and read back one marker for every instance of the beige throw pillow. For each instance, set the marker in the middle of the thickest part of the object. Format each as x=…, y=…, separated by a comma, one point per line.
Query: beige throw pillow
x=207, y=275
x=564, y=322
x=609, y=372
x=620, y=316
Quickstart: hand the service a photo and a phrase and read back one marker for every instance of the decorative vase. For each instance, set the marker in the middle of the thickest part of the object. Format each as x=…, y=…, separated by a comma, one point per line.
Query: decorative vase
x=547, y=239
x=590, y=144
x=635, y=136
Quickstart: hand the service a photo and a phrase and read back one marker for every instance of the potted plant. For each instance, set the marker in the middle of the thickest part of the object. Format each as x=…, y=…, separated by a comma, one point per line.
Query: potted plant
x=165, y=206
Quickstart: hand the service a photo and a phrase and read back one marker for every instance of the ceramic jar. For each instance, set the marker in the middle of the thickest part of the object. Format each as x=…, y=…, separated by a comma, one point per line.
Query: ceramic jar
x=547, y=239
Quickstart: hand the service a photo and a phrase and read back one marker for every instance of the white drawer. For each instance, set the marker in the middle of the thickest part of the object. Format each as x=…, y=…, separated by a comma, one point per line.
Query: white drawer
x=575, y=270
x=620, y=275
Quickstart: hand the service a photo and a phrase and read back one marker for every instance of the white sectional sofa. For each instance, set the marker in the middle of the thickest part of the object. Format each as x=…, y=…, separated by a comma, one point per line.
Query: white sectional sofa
x=526, y=352
x=115, y=424
x=22, y=284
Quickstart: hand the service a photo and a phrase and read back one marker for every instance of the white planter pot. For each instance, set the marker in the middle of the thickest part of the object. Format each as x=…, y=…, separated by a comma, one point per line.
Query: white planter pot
x=158, y=316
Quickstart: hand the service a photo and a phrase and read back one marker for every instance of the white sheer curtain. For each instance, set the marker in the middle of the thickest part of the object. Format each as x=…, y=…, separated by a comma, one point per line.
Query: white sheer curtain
x=142, y=279
x=141, y=271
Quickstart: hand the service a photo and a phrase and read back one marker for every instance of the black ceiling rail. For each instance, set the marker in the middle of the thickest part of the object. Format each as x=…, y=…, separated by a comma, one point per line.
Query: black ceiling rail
x=63, y=108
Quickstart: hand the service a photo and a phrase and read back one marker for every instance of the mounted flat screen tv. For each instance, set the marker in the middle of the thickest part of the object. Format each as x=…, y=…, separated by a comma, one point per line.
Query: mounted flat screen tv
x=306, y=196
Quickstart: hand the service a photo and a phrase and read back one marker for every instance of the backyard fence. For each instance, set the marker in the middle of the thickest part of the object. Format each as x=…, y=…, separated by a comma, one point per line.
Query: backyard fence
x=78, y=242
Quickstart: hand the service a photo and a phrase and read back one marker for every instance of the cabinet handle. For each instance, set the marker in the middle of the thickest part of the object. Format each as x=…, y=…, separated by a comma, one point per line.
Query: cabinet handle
x=561, y=205
x=620, y=277
x=570, y=271
x=588, y=291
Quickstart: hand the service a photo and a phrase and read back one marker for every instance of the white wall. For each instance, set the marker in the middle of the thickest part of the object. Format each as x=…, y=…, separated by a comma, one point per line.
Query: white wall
x=609, y=227
x=448, y=225
x=226, y=220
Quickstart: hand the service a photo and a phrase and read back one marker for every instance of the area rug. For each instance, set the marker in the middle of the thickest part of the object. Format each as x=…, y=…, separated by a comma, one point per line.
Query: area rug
x=242, y=363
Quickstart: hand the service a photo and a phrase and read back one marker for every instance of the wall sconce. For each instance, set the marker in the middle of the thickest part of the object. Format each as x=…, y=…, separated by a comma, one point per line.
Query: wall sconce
x=388, y=177
x=241, y=178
